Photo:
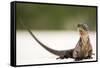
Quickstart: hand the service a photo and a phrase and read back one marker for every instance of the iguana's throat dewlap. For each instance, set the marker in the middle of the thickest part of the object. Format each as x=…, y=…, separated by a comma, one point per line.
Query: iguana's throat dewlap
x=84, y=36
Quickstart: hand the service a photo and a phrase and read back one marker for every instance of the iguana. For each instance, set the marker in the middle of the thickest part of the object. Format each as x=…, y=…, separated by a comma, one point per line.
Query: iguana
x=82, y=50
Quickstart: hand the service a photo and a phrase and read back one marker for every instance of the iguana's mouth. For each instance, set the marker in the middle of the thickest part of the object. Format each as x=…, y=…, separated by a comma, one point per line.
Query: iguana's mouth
x=81, y=32
x=82, y=28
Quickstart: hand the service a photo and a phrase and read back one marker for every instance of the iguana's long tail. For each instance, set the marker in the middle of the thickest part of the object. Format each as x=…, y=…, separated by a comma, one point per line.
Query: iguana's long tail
x=56, y=52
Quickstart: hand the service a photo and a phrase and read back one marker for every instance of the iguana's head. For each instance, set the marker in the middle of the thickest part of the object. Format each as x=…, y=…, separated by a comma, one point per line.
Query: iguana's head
x=83, y=29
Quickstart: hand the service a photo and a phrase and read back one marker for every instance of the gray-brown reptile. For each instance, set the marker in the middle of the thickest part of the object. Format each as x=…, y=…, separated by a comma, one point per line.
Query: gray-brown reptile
x=82, y=50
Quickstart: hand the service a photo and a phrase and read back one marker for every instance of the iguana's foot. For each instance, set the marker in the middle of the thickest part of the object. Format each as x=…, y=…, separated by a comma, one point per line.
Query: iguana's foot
x=78, y=59
x=89, y=57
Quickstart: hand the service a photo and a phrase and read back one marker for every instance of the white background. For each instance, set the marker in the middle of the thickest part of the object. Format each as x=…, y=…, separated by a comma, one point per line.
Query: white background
x=30, y=52
x=5, y=33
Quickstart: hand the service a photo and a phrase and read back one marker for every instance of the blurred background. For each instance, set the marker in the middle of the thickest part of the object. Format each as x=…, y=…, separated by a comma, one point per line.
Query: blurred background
x=54, y=26
x=54, y=17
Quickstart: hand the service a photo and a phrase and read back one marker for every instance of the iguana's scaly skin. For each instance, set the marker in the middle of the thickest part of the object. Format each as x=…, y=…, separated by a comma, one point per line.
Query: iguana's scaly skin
x=83, y=49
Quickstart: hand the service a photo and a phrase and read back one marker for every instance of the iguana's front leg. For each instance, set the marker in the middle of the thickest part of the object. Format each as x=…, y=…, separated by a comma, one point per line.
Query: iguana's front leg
x=89, y=55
